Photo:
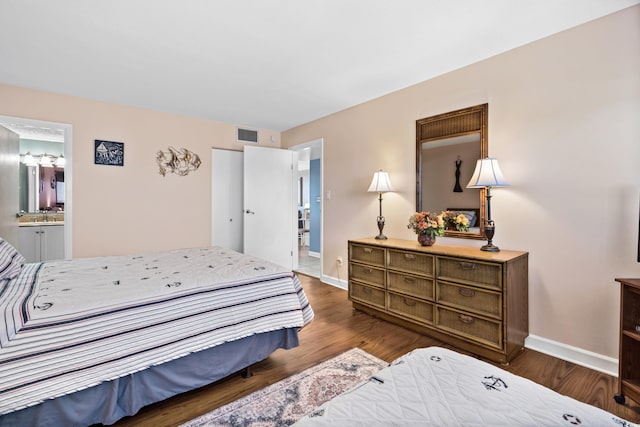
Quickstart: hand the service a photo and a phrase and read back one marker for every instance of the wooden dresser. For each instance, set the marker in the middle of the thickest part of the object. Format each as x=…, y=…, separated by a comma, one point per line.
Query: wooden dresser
x=474, y=300
x=629, y=356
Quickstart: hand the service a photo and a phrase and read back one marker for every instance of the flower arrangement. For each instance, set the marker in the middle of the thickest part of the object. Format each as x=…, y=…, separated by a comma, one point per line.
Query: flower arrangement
x=427, y=223
x=455, y=220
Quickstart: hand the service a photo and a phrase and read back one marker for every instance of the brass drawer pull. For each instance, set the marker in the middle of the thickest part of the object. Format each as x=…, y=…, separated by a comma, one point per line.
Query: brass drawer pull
x=409, y=302
x=409, y=279
x=466, y=292
x=466, y=266
x=465, y=319
x=409, y=257
x=367, y=270
x=367, y=250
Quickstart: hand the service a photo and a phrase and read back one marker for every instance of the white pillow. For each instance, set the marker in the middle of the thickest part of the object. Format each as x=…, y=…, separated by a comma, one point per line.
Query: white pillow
x=11, y=261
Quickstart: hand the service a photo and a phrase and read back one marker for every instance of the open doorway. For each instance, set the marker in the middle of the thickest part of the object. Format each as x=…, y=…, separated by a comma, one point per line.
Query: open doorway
x=61, y=133
x=309, y=206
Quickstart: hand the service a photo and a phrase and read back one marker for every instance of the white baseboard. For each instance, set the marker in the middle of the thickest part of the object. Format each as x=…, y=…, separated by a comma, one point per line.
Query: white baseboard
x=576, y=355
x=342, y=284
x=314, y=254
x=579, y=356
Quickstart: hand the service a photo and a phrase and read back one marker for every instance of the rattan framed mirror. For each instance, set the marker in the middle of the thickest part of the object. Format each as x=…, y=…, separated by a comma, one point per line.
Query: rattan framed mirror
x=447, y=147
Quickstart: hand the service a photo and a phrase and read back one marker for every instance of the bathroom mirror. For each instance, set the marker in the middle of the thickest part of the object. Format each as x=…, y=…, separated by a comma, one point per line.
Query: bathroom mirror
x=41, y=188
x=447, y=148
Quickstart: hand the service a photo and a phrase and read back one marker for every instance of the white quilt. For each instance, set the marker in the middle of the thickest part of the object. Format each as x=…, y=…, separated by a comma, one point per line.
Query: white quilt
x=69, y=325
x=439, y=387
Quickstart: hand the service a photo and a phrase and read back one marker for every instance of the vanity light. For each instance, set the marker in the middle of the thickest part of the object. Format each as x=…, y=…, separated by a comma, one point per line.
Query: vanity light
x=29, y=160
x=60, y=161
x=45, y=161
x=486, y=175
x=380, y=184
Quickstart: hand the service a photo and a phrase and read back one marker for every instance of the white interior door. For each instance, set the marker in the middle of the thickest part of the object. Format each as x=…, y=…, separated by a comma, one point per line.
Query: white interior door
x=9, y=183
x=270, y=218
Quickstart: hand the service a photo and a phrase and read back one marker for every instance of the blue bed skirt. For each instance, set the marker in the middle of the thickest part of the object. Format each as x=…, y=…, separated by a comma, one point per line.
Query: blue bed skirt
x=108, y=402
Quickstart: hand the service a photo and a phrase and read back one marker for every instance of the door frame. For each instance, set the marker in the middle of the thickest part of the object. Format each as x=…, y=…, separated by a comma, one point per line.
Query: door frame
x=316, y=144
x=68, y=171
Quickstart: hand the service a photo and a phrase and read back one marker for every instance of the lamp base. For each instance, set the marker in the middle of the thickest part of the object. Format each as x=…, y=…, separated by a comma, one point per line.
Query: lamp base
x=490, y=247
x=489, y=231
x=381, y=236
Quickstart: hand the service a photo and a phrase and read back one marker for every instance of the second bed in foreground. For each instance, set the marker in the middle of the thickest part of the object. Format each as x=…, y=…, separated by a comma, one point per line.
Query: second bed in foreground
x=439, y=387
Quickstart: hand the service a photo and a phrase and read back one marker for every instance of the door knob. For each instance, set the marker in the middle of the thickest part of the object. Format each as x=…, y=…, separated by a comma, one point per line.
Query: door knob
x=249, y=211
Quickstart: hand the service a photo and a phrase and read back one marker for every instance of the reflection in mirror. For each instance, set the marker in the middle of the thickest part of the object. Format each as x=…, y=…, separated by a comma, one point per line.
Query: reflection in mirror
x=447, y=147
x=447, y=166
x=41, y=187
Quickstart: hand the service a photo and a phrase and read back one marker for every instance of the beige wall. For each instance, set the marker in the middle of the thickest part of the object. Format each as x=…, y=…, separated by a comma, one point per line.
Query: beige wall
x=564, y=122
x=131, y=209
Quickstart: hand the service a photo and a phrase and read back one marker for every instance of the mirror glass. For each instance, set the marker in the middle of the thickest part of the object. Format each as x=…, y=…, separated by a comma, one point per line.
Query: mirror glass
x=41, y=188
x=447, y=148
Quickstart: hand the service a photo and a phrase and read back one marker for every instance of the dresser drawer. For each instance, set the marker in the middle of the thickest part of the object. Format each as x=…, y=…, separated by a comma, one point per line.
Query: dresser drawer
x=366, y=254
x=411, y=262
x=471, y=327
x=472, y=272
x=411, y=308
x=473, y=299
x=366, y=273
x=366, y=294
x=417, y=286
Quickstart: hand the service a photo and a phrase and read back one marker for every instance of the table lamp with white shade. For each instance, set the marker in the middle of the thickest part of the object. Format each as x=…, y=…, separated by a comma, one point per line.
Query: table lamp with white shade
x=380, y=184
x=487, y=175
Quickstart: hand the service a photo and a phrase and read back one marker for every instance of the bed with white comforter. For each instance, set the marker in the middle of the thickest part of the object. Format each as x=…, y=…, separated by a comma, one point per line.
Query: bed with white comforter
x=74, y=325
x=439, y=387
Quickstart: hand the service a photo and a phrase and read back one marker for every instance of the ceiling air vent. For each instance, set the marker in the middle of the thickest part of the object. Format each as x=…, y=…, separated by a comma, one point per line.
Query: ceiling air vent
x=247, y=135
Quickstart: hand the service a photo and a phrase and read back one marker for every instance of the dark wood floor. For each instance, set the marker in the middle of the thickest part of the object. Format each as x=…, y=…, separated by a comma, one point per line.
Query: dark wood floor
x=337, y=328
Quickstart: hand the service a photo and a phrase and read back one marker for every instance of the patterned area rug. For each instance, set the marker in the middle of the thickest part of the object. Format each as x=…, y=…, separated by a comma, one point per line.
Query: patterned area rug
x=283, y=403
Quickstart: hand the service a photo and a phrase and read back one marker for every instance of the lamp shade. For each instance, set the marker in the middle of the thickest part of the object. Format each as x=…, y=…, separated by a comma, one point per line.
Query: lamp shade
x=380, y=183
x=487, y=174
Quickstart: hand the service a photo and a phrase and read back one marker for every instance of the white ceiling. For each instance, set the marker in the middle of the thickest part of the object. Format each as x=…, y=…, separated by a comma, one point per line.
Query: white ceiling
x=39, y=133
x=271, y=64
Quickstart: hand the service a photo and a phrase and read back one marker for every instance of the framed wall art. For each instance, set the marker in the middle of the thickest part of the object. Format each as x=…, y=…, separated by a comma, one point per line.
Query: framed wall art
x=108, y=153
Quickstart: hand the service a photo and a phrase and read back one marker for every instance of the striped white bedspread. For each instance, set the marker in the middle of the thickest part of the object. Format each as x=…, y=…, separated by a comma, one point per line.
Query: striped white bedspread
x=69, y=325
